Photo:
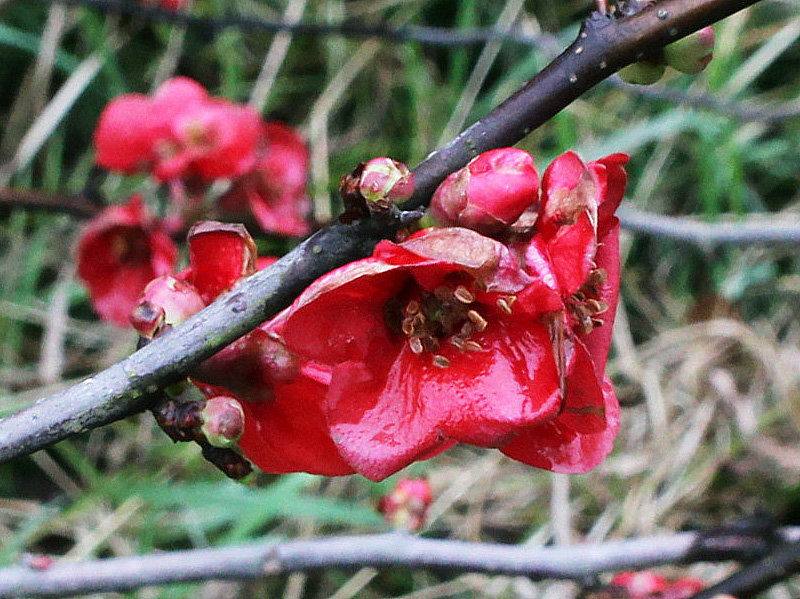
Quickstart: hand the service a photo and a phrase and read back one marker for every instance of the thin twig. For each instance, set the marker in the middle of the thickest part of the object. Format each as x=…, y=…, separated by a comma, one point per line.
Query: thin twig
x=772, y=229
x=603, y=46
x=431, y=36
x=270, y=558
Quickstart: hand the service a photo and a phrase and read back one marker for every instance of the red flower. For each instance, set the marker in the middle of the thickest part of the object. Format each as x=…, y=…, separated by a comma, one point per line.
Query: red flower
x=275, y=189
x=407, y=505
x=181, y=131
x=426, y=332
x=120, y=252
x=647, y=585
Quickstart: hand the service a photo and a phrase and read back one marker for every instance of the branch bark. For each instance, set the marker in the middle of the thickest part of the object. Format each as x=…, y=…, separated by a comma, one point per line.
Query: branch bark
x=270, y=558
x=603, y=46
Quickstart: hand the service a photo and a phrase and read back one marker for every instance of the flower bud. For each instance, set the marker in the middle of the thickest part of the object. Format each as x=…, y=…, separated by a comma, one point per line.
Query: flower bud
x=643, y=72
x=407, y=505
x=385, y=178
x=220, y=255
x=223, y=421
x=691, y=54
x=488, y=194
x=165, y=301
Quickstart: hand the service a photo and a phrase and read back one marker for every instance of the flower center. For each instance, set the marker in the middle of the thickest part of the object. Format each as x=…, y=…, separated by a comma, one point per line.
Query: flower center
x=428, y=320
x=585, y=304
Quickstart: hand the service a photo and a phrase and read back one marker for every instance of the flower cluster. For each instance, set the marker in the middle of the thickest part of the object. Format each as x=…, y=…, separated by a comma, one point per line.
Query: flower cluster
x=189, y=140
x=451, y=336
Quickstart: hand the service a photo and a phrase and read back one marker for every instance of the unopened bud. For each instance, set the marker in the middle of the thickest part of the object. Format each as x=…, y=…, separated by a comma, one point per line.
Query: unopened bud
x=691, y=54
x=490, y=193
x=407, y=505
x=386, y=179
x=643, y=72
x=223, y=421
x=165, y=301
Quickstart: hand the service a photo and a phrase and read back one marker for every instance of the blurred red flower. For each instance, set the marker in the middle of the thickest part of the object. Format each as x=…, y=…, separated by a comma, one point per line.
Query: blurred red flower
x=275, y=188
x=180, y=132
x=120, y=251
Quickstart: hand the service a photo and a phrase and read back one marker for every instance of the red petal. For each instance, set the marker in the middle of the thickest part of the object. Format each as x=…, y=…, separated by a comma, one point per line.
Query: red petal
x=572, y=252
x=607, y=258
x=382, y=419
x=220, y=254
x=611, y=178
x=558, y=447
x=290, y=434
x=124, y=138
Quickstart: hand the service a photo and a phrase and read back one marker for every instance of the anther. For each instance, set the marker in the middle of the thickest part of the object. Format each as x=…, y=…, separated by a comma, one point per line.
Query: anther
x=430, y=344
x=407, y=326
x=456, y=342
x=478, y=320
x=412, y=308
x=596, y=306
x=467, y=330
x=503, y=305
x=464, y=295
x=440, y=361
x=597, y=322
x=472, y=346
x=415, y=343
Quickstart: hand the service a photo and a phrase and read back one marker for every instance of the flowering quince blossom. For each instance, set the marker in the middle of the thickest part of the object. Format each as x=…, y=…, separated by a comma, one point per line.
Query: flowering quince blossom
x=428, y=331
x=119, y=252
x=181, y=131
x=274, y=190
x=406, y=506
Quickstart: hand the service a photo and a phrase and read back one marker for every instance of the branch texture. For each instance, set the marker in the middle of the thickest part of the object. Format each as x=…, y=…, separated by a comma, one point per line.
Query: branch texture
x=271, y=558
x=603, y=46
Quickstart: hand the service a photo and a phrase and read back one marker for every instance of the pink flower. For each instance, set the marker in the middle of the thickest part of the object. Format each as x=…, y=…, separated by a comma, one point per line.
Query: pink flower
x=120, y=252
x=275, y=189
x=488, y=194
x=178, y=133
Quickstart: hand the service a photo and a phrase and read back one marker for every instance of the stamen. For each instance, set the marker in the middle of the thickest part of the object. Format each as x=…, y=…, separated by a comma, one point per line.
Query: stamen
x=597, y=322
x=467, y=330
x=463, y=295
x=415, y=343
x=472, y=346
x=503, y=305
x=457, y=342
x=412, y=308
x=407, y=326
x=440, y=361
x=596, y=306
x=478, y=320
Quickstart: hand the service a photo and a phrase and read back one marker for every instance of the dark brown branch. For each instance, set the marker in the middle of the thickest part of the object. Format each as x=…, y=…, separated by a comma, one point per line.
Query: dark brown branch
x=270, y=558
x=76, y=205
x=603, y=46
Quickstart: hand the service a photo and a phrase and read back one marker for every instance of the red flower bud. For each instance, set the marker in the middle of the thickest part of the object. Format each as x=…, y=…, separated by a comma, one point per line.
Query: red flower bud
x=691, y=54
x=165, y=301
x=385, y=178
x=407, y=505
x=488, y=194
x=223, y=421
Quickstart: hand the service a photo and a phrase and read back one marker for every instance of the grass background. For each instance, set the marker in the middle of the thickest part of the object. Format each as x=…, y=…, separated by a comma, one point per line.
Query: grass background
x=706, y=356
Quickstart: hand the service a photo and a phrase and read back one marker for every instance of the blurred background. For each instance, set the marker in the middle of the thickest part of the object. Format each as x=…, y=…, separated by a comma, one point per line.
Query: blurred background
x=705, y=359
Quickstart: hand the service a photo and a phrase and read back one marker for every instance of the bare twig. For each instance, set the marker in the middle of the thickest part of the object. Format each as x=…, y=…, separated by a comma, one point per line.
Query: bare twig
x=773, y=229
x=432, y=36
x=270, y=558
x=603, y=46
